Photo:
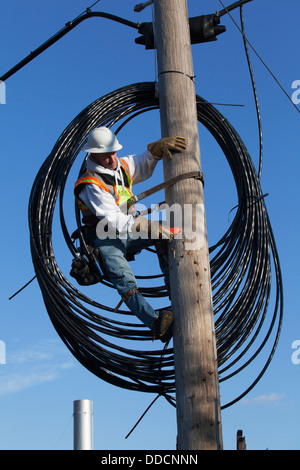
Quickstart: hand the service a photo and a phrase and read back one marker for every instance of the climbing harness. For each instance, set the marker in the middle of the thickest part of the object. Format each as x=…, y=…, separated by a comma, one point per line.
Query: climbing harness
x=192, y=174
x=85, y=265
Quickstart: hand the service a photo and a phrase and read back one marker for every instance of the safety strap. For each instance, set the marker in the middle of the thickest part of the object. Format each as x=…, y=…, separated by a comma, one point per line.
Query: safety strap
x=166, y=184
x=192, y=174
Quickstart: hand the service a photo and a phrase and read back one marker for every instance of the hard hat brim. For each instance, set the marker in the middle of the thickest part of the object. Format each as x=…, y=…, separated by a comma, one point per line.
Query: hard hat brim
x=112, y=149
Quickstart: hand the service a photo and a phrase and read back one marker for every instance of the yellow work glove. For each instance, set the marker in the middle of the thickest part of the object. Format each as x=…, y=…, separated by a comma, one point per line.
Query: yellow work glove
x=164, y=146
x=144, y=228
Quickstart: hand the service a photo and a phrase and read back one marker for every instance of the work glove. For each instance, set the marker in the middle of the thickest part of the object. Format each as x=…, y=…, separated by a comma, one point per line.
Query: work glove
x=144, y=228
x=164, y=146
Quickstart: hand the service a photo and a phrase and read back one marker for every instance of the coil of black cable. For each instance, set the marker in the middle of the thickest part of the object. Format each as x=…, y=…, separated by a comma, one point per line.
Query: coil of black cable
x=241, y=263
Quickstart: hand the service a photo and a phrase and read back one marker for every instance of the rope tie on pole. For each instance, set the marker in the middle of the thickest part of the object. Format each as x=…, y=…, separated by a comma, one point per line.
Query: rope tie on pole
x=191, y=77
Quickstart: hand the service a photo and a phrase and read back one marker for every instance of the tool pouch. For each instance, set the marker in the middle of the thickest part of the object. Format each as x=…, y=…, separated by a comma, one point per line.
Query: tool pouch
x=86, y=267
x=85, y=271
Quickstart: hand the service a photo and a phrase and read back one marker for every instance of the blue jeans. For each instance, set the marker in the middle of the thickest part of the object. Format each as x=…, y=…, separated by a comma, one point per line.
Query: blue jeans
x=113, y=257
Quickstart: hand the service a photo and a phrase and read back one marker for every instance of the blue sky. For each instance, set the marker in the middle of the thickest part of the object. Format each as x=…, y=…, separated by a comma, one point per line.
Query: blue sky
x=40, y=378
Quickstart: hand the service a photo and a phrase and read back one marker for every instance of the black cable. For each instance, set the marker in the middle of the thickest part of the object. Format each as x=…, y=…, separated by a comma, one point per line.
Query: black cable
x=61, y=33
x=227, y=10
x=254, y=93
x=235, y=5
x=22, y=288
x=247, y=319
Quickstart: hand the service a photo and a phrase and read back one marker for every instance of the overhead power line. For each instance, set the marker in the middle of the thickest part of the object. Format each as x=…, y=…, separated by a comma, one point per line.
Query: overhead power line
x=227, y=11
x=61, y=33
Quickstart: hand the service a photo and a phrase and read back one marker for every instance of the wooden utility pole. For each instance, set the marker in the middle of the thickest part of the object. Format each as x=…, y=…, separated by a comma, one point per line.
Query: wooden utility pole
x=196, y=371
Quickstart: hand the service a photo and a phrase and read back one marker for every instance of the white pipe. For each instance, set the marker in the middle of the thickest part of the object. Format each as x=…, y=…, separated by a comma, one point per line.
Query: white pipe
x=83, y=425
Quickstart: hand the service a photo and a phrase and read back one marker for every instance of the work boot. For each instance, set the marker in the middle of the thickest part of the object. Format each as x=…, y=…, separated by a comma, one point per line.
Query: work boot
x=162, y=327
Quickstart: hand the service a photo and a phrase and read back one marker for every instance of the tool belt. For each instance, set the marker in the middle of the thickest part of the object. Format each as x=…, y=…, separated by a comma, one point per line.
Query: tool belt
x=86, y=266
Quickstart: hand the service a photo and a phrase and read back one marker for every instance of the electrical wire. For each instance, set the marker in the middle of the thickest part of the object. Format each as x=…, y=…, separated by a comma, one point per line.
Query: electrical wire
x=254, y=93
x=235, y=5
x=62, y=32
x=248, y=308
x=227, y=10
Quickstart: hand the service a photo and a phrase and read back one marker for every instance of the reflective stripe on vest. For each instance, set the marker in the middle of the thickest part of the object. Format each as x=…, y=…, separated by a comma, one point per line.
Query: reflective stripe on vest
x=116, y=191
x=128, y=197
x=124, y=198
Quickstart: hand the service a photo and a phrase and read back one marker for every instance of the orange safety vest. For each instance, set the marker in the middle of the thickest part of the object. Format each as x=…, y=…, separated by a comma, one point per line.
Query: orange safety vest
x=104, y=182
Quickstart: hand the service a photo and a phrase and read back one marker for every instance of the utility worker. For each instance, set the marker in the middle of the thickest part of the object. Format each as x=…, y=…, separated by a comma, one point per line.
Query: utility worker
x=104, y=195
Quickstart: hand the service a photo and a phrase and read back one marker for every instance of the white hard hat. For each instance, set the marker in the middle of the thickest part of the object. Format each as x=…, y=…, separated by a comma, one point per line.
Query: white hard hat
x=102, y=140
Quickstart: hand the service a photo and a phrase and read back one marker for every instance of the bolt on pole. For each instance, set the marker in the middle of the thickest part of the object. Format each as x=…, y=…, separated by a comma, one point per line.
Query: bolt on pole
x=196, y=368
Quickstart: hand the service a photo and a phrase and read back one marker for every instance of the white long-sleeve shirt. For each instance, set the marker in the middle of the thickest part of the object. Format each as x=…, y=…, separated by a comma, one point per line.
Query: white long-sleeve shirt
x=102, y=204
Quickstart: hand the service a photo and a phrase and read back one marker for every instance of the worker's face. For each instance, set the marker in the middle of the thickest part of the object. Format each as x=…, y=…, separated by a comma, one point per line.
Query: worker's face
x=108, y=160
